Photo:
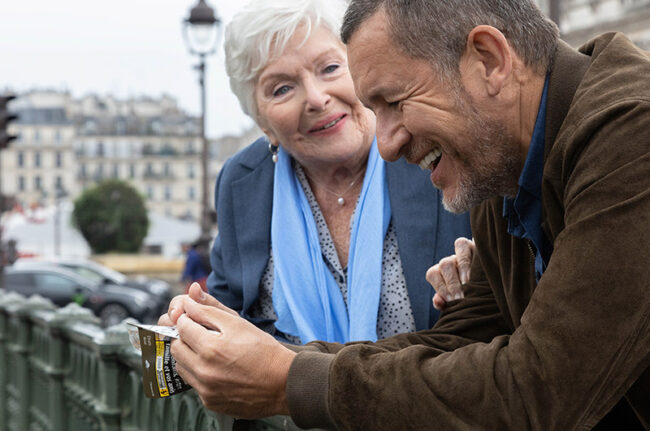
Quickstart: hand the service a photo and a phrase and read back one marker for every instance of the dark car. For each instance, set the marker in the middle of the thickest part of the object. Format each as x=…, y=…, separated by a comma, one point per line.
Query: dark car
x=161, y=291
x=111, y=303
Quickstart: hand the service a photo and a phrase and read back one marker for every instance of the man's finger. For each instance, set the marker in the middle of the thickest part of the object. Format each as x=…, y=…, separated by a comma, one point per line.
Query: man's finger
x=193, y=334
x=199, y=295
x=164, y=320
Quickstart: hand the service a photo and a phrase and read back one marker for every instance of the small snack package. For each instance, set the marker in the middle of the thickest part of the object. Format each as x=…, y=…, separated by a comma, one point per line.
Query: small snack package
x=159, y=376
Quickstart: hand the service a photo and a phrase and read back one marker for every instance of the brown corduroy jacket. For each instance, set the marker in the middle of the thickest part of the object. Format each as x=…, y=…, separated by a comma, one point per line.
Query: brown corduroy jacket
x=573, y=351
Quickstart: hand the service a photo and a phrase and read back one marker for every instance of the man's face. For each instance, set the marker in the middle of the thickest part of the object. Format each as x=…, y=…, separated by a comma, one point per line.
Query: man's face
x=436, y=125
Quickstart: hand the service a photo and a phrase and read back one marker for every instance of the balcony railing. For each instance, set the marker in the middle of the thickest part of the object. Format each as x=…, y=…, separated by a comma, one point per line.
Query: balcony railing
x=59, y=371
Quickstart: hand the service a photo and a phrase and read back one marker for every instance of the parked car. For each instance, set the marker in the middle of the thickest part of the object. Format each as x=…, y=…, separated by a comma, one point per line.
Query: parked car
x=161, y=291
x=111, y=303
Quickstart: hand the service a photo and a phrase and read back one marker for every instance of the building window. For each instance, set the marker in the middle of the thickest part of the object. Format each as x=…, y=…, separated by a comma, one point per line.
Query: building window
x=57, y=137
x=168, y=193
x=131, y=170
x=90, y=127
x=58, y=159
x=82, y=171
x=21, y=183
x=37, y=182
x=116, y=170
x=191, y=170
x=150, y=193
x=149, y=169
x=120, y=126
x=156, y=126
x=37, y=159
x=58, y=183
x=21, y=159
x=166, y=170
x=100, y=149
x=37, y=137
x=191, y=193
x=189, y=147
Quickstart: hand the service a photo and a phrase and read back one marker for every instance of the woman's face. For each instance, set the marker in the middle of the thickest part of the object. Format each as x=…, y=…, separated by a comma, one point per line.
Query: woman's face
x=306, y=103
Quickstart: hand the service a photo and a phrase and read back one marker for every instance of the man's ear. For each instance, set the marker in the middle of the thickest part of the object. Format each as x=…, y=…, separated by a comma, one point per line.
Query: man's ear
x=487, y=58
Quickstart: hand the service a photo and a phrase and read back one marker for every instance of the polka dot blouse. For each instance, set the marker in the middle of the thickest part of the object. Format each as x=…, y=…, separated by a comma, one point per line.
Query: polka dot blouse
x=395, y=315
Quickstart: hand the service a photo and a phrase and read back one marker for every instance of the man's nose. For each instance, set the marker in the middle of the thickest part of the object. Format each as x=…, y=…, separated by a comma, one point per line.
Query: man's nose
x=391, y=137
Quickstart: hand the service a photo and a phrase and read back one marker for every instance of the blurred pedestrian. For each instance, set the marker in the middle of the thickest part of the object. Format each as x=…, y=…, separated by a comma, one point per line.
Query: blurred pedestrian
x=197, y=264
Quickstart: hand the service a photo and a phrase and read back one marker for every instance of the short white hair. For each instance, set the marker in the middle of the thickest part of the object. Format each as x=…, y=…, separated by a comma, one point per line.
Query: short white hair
x=259, y=33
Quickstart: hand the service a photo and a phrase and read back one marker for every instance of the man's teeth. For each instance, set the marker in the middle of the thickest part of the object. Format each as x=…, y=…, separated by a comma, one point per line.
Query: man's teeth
x=430, y=158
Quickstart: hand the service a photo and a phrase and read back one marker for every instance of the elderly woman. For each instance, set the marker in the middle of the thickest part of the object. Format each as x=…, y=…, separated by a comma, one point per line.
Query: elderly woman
x=319, y=238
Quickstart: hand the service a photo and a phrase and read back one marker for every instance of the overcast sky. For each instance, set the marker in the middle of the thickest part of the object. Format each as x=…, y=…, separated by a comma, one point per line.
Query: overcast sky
x=120, y=47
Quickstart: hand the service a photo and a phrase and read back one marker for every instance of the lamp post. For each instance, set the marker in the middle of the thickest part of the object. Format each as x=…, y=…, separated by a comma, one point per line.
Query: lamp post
x=60, y=194
x=202, y=30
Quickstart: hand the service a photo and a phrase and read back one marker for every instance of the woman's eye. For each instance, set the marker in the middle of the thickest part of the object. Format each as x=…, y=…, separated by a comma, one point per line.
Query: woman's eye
x=331, y=68
x=281, y=90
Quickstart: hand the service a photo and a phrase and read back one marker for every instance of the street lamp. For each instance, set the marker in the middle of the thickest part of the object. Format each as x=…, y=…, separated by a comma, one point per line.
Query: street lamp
x=59, y=194
x=202, y=31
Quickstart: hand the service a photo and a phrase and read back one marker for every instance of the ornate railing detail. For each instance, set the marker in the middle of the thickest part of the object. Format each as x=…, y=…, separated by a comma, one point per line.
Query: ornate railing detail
x=60, y=371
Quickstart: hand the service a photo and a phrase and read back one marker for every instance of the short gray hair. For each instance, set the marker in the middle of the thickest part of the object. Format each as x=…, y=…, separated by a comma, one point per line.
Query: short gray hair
x=437, y=30
x=259, y=33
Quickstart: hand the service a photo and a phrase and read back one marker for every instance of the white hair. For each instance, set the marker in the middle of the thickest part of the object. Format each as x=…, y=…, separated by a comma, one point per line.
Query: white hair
x=259, y=33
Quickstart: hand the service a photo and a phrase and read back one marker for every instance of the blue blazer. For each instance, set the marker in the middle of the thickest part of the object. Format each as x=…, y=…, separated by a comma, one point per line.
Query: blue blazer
x=243, y=200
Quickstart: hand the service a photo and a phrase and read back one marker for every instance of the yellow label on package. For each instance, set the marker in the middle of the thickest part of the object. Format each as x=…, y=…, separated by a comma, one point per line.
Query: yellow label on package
x=159, y=376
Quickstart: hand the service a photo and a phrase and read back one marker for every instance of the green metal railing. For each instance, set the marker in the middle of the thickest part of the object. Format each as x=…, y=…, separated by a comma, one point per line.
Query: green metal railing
x=59, y=371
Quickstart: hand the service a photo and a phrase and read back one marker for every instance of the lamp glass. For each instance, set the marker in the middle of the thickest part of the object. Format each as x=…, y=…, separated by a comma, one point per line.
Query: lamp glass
x=202, y=38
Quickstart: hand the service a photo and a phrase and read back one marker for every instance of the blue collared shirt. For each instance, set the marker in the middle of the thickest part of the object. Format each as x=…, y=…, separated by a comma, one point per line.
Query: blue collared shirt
x=524, y=212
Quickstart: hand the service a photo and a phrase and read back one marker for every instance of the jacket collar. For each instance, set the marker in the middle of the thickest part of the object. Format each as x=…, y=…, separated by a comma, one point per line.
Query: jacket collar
x=569, y=66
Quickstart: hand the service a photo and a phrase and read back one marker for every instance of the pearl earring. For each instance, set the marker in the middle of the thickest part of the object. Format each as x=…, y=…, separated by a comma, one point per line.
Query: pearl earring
x=273, y=149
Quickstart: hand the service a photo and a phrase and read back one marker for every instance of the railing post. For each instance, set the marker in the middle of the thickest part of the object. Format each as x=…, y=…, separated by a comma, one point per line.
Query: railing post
x=110, y=344
x=58, y=366
x=6, y=299
x=20, y=315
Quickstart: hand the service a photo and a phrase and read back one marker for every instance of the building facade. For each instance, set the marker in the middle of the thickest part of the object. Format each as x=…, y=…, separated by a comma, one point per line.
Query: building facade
x=581, y=20
x=65, y=145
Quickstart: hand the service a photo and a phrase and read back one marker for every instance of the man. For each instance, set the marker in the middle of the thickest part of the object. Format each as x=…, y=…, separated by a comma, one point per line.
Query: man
x=550, y=149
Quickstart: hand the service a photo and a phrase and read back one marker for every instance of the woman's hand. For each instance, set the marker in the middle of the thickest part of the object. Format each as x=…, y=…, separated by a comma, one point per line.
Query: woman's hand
x=239, y=370
x=452, y=272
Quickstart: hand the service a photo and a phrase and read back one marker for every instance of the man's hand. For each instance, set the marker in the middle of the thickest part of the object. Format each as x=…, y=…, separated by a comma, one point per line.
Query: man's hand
x=449, y=275
x=240, y=371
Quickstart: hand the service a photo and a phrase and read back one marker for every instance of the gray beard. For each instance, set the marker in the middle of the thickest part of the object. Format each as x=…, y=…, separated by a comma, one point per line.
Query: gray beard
x=497, y=175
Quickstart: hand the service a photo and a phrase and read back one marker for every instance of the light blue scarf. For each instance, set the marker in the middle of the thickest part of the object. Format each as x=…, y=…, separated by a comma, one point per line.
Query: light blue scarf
x=306, y=298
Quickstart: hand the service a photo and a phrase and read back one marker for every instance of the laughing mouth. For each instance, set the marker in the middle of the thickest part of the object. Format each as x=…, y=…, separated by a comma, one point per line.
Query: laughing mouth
x=431, y=160
x=328, y=125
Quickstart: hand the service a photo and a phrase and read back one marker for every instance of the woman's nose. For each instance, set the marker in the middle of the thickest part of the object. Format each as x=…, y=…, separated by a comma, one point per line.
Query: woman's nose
x=317, y=95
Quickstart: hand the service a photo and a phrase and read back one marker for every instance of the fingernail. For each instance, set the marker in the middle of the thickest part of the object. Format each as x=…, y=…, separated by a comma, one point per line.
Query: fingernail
x=202, y=295
x=464, y=276
x=458, y=296
x=172, y=312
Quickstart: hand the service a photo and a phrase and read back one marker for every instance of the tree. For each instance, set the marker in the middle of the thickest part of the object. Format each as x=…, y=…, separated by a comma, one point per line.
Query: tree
x=112, y=217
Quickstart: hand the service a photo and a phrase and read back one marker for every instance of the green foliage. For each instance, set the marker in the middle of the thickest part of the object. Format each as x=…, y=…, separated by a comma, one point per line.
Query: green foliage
x=112, y=217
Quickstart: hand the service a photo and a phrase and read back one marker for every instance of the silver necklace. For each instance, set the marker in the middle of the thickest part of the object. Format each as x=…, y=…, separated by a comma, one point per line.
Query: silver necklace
x=339, y=196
